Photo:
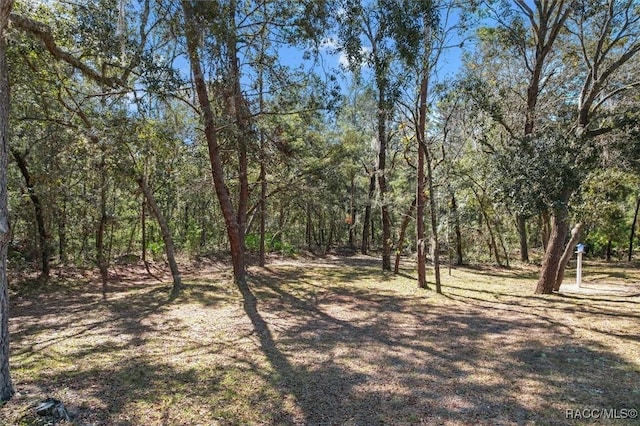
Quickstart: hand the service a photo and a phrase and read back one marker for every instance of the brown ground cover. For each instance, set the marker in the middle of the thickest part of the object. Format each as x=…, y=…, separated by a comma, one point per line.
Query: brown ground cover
x=345, y=344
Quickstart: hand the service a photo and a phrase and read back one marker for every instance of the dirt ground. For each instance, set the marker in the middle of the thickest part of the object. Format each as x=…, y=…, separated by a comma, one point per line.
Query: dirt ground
x=343, y=344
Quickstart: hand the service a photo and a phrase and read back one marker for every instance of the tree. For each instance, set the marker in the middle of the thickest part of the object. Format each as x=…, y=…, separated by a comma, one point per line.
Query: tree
x=528, y=35
x=372, y=22
x=605, y=36
x=6, y=386
x=234, y=106
x=43, y=33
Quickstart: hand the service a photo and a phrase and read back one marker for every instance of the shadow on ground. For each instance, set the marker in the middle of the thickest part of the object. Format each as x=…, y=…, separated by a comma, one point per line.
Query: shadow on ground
x=321, y=346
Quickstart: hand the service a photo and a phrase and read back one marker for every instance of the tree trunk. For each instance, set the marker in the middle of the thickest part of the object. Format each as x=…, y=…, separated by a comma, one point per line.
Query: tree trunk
x=39, y=216
x=352, y=212
x=403, y=230
x=420, y=199
x=366, y=229
x=566, y=256
x=608, y=253
x=545, y=228
x=263, y=154
x=553, y=253
x=456, y=227
x=433, y=213
x=62, y=232
x=241, y=117
x=101, y=258
x=493, y=246
x=143, y=226
x=373, y=231
x=6, y=385
x=231, y=220
x=332, y=229
x=166, y=234
x=263, y=207
x=309, y=229
x=502, y=244
x=633, y=229
x=382, y=180
x=521, y=223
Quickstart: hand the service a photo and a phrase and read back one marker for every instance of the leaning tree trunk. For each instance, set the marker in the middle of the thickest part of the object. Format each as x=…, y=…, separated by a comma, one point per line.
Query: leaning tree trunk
x=6, y=386
x=566, y=256
x=232, y=226
x=166, y=234
x=553, y=253
x=403, y=230
x=39, y=216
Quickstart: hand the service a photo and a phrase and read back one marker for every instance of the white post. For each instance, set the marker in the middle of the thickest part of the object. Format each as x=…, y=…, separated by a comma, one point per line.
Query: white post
x=579, y=251
x=579, y=270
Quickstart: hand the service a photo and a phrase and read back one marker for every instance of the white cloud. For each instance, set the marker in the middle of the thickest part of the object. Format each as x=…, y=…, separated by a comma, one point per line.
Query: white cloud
x=365, y=53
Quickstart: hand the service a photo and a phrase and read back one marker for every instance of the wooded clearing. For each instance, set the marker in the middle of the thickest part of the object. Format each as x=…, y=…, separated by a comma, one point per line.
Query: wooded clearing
x=345, y=344
x=322, y=212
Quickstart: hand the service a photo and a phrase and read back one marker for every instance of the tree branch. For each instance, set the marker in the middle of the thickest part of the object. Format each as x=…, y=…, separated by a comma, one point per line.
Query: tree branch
x=43, y=32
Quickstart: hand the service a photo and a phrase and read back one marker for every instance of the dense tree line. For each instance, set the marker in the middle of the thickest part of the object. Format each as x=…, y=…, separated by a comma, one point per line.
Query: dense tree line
x=159, y=129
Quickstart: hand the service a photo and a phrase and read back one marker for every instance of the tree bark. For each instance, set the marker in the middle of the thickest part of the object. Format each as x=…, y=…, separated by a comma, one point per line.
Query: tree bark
x=493, y=246
x=39, y=216
x=420, y=199
x=6, y=385
x=521, y=223
x=553, y=253
x=166, y=234
x=433, y=214
x=633, y=229
x=143, y=226
x=352, y=212
x=101, y=258
x=364, y=248
x=62, y=232
x=263, y=206
x=241, y=117
x=403, y=230
x=566, y=256
x=500, y=233
x=545, y=228
x=211, y=134
x=309, y=229
x=382, y=180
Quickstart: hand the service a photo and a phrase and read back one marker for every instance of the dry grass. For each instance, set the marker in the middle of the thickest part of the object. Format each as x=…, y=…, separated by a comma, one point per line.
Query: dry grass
x=345, y=344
